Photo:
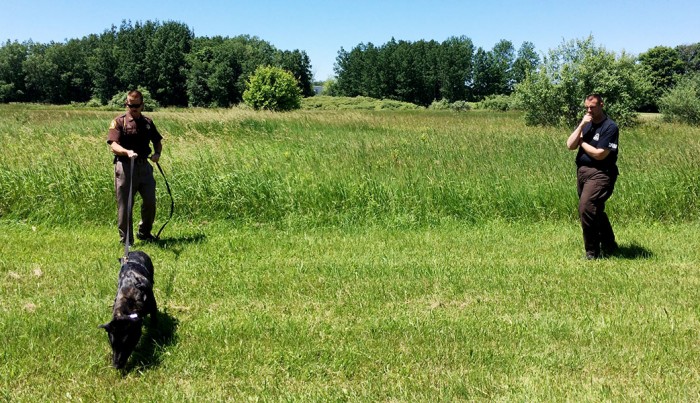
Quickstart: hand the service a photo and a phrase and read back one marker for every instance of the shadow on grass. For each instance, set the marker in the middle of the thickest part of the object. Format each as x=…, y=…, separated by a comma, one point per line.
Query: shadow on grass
x=632, y=251
x=181, y=240
x=158, y=335
x=174, y=245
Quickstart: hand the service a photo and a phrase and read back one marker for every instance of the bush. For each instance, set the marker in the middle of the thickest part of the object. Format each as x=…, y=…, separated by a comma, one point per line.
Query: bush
x=444, y=104
x=554, y=94
x=501, y=103
x=682, y=102
x=119, y=99
x=272, y=88
x=330, y=88
x=324, y=102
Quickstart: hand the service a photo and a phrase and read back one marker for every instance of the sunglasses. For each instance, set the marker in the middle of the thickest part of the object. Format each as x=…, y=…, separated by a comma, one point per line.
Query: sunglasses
x=134, y=106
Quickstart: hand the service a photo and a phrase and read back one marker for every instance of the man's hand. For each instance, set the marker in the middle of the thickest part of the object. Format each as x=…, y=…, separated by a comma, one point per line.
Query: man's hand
x=587, y=118
x=131, y=154
x=155, y=157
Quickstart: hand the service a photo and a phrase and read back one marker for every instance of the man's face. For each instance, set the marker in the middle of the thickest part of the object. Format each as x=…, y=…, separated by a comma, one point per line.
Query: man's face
x=594, y=108
x=135, y=106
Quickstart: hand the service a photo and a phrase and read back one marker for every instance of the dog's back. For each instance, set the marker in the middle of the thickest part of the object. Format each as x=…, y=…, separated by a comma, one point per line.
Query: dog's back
x=133, y=302
x=140, y=258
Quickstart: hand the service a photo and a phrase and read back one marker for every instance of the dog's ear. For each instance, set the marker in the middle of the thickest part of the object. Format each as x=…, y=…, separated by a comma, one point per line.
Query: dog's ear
x=106, y=326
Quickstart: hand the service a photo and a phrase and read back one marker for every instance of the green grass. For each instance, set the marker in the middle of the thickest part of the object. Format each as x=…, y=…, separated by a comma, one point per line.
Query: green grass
x=346, y=255
x=498, y=311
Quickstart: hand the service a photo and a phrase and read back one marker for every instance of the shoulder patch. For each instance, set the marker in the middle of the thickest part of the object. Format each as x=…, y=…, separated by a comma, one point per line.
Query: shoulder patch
x=113, y=125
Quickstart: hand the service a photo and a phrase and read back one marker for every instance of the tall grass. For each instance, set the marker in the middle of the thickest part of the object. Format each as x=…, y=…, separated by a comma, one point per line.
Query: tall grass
x=321, y=168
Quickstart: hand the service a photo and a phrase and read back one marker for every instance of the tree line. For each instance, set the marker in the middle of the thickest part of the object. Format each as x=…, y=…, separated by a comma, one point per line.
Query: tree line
x=421, y=72
x=179, y=69
x=166, y=59
x=424, y=71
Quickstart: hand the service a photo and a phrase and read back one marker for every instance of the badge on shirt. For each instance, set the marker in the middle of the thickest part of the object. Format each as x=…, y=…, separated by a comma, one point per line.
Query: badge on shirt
x=596, y=137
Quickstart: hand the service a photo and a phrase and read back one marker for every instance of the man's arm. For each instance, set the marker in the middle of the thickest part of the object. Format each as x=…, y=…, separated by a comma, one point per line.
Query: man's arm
x=595, y=153
x=574, y=139
x=120, y=151
x=157, y=148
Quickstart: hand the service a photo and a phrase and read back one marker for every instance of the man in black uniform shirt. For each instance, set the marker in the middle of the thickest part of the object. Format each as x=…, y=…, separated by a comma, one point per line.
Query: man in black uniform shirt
x=596, y=138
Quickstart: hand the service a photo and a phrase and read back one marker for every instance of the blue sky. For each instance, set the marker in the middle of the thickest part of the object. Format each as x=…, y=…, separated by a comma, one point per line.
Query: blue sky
x=321, y=28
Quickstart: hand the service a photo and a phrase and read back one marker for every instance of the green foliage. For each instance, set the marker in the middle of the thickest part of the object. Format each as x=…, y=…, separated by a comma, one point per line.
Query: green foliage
x=554, y=95
x=682, y=102
x=664, y=66
x=501, y=103
x=299, y=65
x=57, y=73
x=274, y=89
x=526, y=62
x=690, y=55
x=444, y=104
x=325, y=102
x=330, y=88
x=177, y=68
x=118, y=101
x=12, y=85
x=415, y=72
x=165, y=62
x=218, y=68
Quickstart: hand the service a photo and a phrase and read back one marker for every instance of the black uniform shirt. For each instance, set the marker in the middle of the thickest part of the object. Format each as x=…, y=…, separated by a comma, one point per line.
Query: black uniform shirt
x=601, y=135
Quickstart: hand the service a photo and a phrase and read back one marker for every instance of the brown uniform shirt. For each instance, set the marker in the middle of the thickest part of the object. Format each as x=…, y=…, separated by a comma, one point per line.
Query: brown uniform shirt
x=133, y=134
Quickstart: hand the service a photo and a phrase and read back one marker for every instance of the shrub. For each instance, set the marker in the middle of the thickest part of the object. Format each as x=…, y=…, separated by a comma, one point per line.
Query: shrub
x=444, y=104
x=272, y=88
x=554, y=94
x=330, y=87
x=93, y=103
x=460, y=106
x=500, y=103
x=325, y=102
x=682, y=102
x=118, y=100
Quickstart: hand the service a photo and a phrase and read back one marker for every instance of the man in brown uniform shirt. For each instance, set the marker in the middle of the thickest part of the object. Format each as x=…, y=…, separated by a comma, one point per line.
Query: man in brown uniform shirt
x=129, y=137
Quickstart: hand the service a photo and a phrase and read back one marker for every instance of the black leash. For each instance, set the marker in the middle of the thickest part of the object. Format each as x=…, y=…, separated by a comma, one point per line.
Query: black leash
x=172, y=201
x=128, y=212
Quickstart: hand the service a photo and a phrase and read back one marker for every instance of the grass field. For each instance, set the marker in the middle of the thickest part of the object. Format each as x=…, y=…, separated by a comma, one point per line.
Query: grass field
x=343, y=255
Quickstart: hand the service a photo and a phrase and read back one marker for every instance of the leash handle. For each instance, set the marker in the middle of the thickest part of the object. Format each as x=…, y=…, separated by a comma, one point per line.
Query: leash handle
x=172, y=201
x=128, y=211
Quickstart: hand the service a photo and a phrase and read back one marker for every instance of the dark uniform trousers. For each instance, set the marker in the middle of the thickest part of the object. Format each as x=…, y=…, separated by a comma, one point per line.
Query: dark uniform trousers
x=594, y=188
x=143, y=183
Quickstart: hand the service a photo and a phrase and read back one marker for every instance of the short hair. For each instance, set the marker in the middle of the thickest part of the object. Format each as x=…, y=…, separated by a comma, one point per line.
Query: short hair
x=135, y=94
x=595, y=96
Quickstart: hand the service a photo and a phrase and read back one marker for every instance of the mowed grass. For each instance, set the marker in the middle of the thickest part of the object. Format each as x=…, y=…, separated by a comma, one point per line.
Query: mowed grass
x=326, y=255
x=495, y=311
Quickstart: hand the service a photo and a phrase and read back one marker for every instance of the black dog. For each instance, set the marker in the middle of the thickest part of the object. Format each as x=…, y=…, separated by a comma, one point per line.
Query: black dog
x=133, y=302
